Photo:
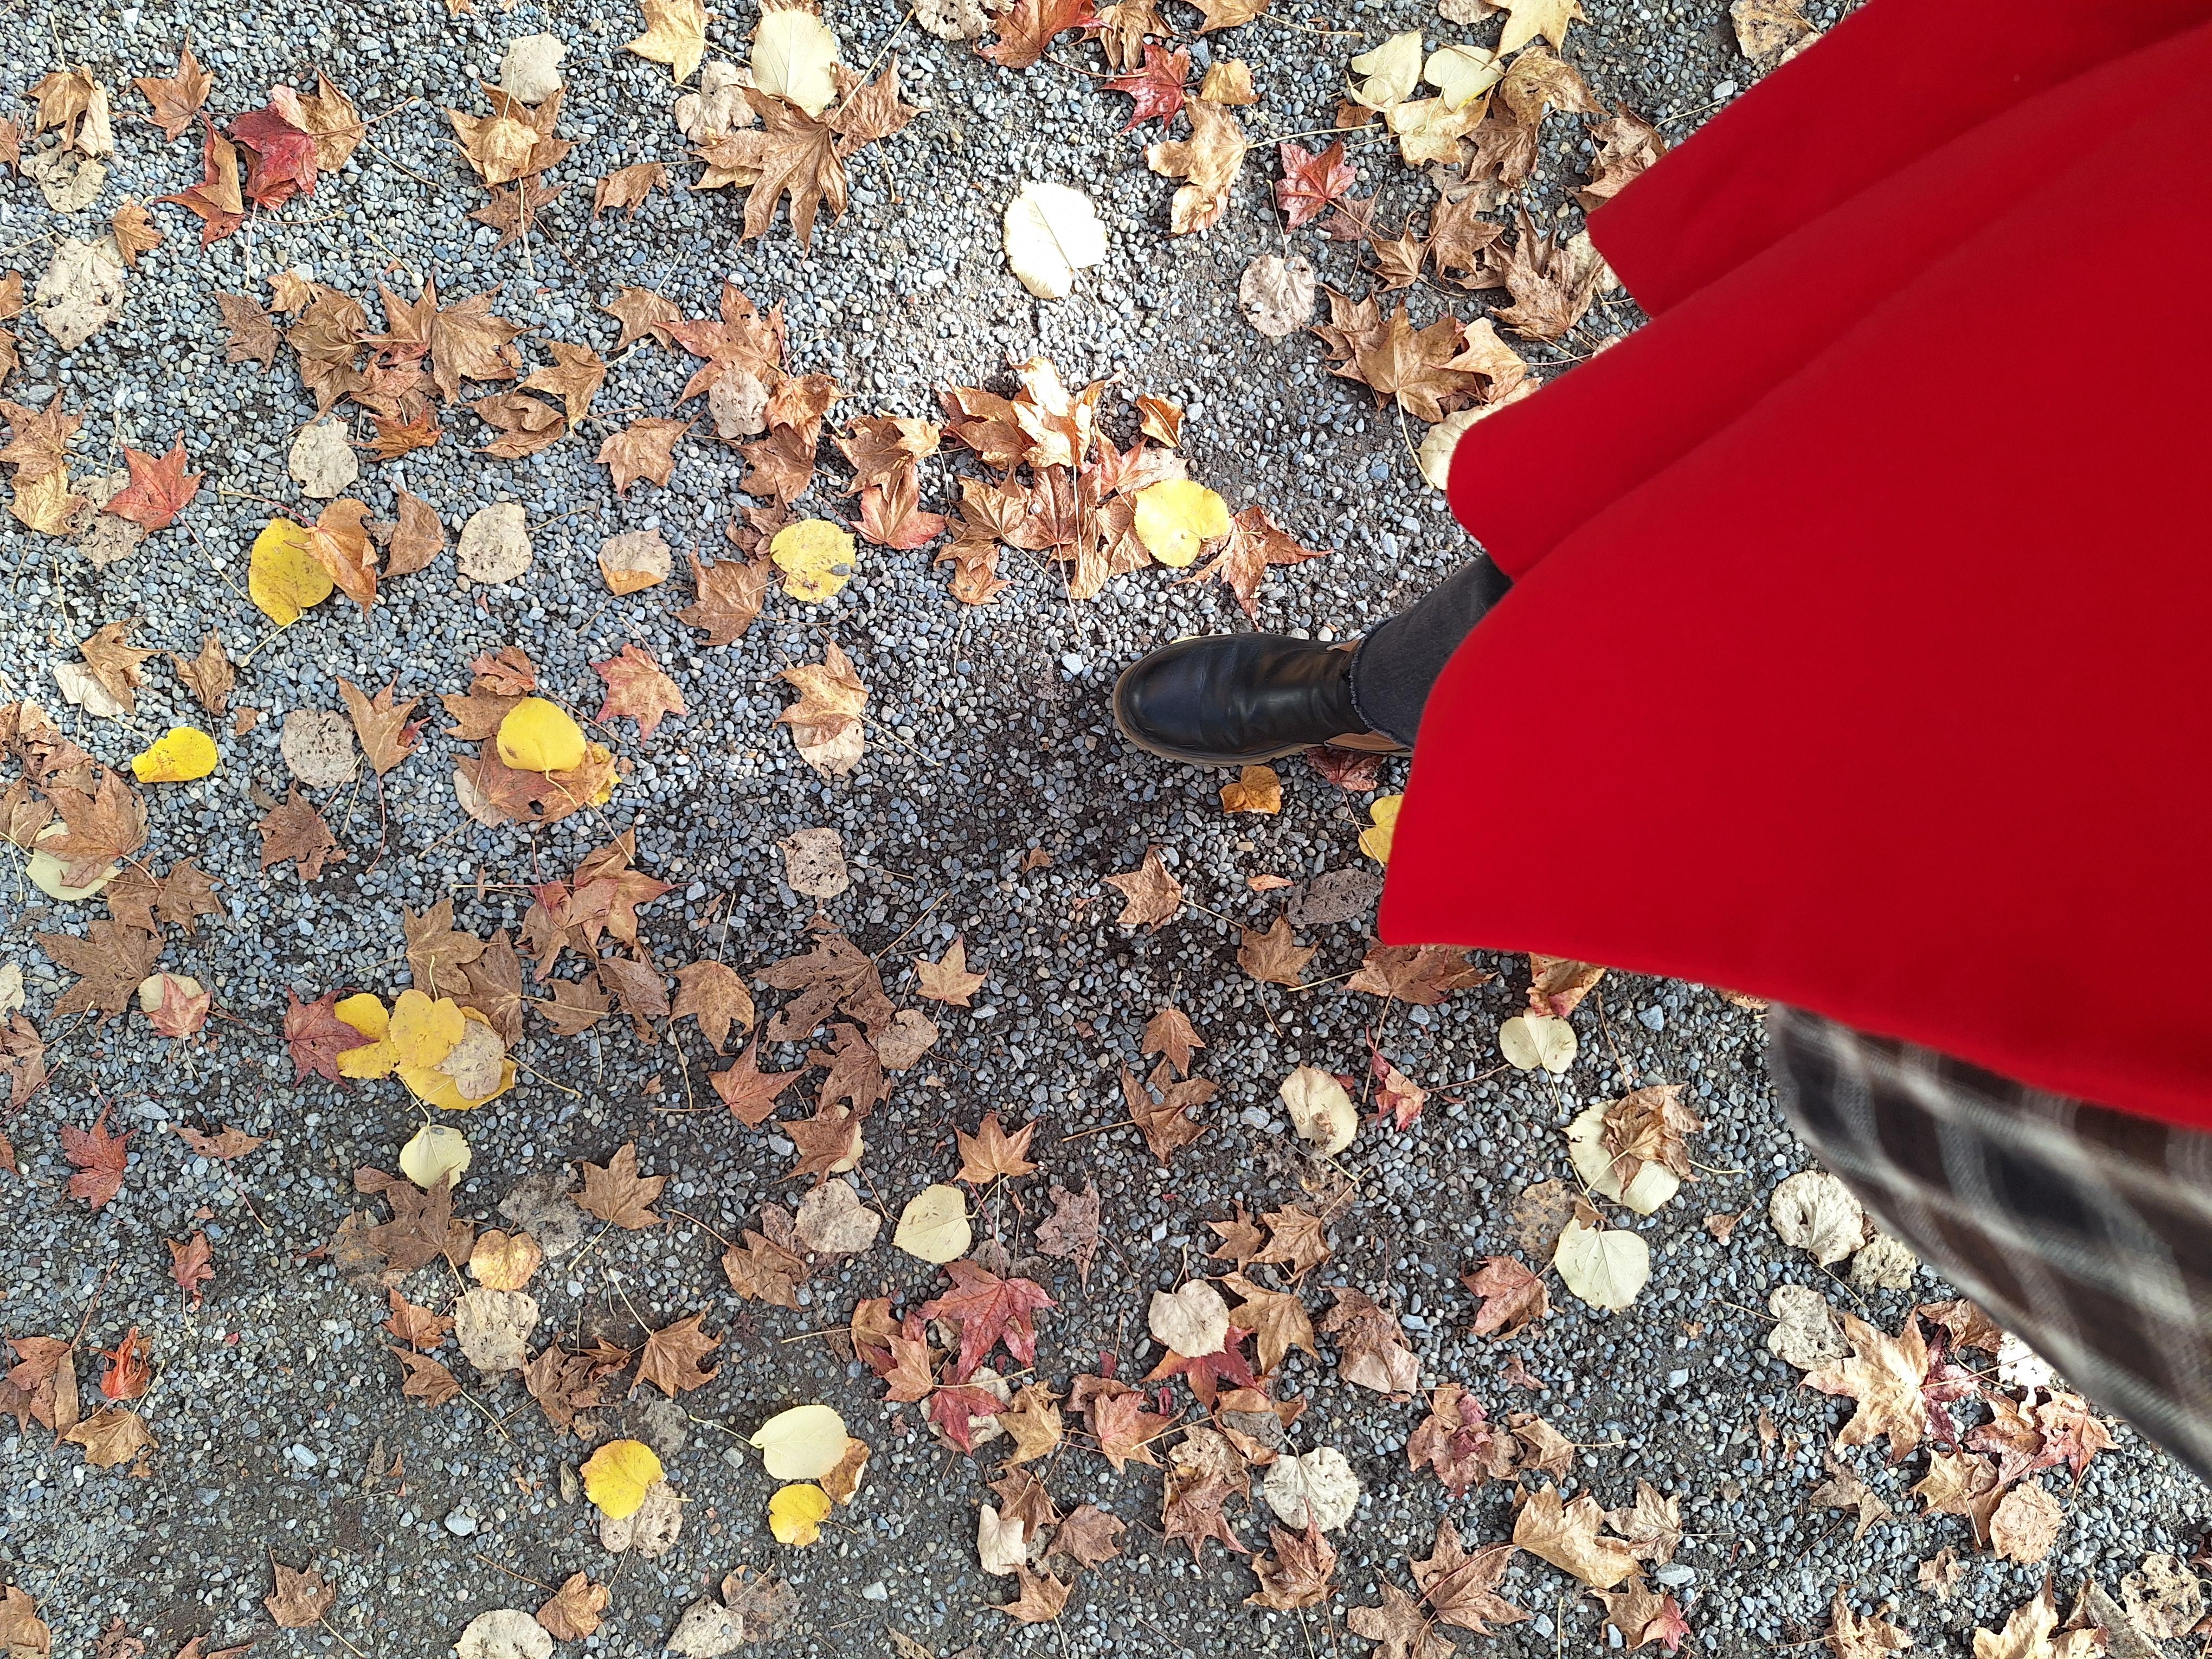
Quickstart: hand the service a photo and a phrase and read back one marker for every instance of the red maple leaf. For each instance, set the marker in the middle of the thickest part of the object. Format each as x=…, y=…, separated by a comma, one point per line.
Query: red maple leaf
x=1667, y=1625
x=99, y=1157
x=317, y=1036
x=214, y=199
x=951, y=1408
x=1207, y=1373
x=128, y=1374
x=1156, y=88
x=284, y=157
x=988, y=1310
x=158, y=489
x=1310, y=182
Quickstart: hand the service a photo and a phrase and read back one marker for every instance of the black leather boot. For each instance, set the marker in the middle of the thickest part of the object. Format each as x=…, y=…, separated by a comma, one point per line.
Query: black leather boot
x=1235, y=699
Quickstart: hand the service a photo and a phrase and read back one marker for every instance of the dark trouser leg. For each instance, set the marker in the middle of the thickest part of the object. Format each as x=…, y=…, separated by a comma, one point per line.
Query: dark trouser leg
x=2086, y=1233
x=1399, y=661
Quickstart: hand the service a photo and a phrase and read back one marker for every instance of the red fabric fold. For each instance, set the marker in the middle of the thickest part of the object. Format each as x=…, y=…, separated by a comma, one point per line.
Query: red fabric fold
x=1879, y=688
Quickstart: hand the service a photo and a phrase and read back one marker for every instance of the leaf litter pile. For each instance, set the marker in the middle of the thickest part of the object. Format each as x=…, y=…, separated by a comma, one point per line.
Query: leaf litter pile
x=944, y=1306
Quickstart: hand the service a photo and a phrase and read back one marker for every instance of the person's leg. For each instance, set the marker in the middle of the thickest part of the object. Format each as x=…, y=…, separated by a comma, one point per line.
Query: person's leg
x=1396, y=664
x=1238, y=698
x=2084, y=1232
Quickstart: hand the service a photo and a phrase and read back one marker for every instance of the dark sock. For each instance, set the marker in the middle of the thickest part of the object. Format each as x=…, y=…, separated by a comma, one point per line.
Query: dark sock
x=1398, y=664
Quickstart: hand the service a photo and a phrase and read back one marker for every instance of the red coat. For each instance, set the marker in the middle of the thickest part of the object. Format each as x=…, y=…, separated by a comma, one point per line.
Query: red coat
x=1860, y=652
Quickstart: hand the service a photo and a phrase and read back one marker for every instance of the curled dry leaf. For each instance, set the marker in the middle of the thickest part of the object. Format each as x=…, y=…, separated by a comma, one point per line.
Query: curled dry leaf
x=1817, y=1213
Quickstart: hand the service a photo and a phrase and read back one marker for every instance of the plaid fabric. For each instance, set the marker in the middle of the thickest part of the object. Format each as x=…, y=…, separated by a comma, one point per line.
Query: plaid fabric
x=2086, y=1233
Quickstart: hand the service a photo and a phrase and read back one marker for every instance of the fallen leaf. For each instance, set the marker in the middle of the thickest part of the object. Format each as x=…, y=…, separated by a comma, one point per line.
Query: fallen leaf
x=1050, y=232
x=1398, y=1627
x=1151, y=895
x=301, y=1597
x=616, y=1193
x=1606, y=1266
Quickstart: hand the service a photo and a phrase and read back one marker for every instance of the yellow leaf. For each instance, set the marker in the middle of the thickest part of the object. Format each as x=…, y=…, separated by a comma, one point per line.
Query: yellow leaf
x=795, y=1514
x=803, y=1443
x=675, y=34
x=792, y=57
x=616, y=1475
x=433, y=1154
x=282, y=576
x=1176, y=516
x=184, y=755
x=537, y=736
x=434, y=1086
x=424, y=1028
x=815, y=556
x=1257, y=789
x=1375, y=841
x=365, y=1013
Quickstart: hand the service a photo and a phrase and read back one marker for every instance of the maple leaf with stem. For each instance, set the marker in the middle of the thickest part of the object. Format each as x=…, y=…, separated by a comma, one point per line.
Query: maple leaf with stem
x=387, y=736
x=646, y=449
x=1170, y=1035
x=1297, y=1574
x=716, y=996
x=639, y=689
x=1155, y=90
x=990, y=1152
x=284, y=156
x=1119, y=1422
x=575, y=378
x=1512, y=1297
x=1027, y=31
x=216, y=200
x=670, y=1359
x=110, y=962
x=1312, y=183
x=175, y=99
x=158, y=490
x=192, y=1264
x=1165, y=1120
x=98, y=1157
x=1151, y=895
x=1255, y=544
x=1208, y=1373
x=616, y=1193
x=947, y=980
x=730, y=592
x=1275, y=957
x=1460, y=1584
x=987, y=1310
x=1883, y=1375
x=292, y=829
x=102, y=828
x=749, y=1092
x=1422, y=974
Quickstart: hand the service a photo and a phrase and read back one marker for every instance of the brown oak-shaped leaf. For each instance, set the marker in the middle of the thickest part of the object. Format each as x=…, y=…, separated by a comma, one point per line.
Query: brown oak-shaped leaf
x=670, y=1360
x=616, y=1193
x=292, y=829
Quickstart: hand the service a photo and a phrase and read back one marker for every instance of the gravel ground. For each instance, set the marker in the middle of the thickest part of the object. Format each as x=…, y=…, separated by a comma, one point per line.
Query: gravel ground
x=274, y=1402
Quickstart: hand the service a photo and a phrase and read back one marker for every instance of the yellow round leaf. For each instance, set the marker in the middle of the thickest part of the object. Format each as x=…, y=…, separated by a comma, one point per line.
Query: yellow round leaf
x=616, y=1475
x=433, y=1154
x=365, y=1013
x=934, y=1226
x=1375, y=840
x=815, y=556
x=795, y=1514
x=537, y=736
x=803, y=1443
x=436, y=1088
x=281, y=576
x=372, y=1059
x=424, y=1028
x=186, y=753
x=1177, y=516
